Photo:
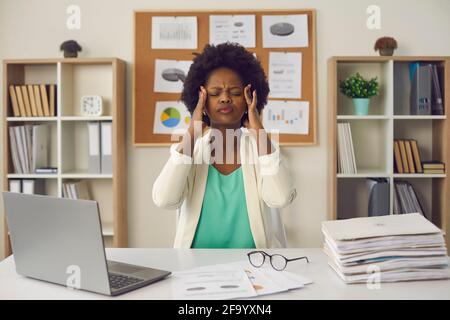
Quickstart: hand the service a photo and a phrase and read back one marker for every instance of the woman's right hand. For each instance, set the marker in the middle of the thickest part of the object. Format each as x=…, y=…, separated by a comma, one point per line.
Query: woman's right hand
x=197, y=115
x=187, y=144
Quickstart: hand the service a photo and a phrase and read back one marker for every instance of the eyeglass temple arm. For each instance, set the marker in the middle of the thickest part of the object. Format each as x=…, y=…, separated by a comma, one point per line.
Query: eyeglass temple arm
x=298, y=259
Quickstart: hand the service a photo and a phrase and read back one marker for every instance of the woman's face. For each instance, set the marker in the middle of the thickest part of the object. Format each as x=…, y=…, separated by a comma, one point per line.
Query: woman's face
x=226, y=103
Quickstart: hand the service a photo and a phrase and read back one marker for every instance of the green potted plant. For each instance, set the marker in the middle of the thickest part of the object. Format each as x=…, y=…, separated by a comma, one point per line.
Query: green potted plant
x=360, y=90
x=385, y=46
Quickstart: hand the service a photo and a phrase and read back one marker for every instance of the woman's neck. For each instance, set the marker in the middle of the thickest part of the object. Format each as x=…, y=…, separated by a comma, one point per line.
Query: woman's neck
x=223, y=131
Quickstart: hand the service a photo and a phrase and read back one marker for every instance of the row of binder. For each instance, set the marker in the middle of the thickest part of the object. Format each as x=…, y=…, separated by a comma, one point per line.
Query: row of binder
x=405, y=197
x=38, y=100
x=28, y=186
x=100, y=146
x=29, y=145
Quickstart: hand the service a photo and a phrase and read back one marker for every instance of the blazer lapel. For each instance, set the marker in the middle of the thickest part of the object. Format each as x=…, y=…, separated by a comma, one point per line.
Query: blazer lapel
x=248, y=159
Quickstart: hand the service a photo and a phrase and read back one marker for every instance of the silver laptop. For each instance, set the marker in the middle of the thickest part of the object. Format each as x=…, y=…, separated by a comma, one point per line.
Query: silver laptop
x=60, y=240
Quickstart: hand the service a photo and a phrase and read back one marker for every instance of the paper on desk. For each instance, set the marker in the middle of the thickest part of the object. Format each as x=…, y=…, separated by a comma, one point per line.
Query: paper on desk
x=266, y=280
x=212, y=282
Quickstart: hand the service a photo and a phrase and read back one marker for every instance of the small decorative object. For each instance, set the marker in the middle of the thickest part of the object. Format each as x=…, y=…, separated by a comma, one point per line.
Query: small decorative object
x=71, y=48
x=91, y=105
x=360, y=90
x=386, y=46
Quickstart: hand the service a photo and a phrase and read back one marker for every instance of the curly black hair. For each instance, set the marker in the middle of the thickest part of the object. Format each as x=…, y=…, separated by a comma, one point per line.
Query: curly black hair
x=229, y=55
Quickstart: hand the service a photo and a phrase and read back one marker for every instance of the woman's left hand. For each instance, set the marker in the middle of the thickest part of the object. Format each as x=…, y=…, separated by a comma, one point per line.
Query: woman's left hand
x=253, y=121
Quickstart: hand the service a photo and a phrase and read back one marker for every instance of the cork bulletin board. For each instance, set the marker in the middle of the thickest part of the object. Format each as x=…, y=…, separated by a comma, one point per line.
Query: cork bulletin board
x=144, y=98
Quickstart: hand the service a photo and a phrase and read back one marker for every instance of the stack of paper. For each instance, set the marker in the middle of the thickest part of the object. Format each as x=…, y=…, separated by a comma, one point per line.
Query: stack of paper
x=233, y=280
x=399, y=247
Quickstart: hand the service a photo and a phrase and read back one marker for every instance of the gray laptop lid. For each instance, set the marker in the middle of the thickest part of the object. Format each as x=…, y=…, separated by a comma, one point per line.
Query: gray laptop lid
x=57, y=240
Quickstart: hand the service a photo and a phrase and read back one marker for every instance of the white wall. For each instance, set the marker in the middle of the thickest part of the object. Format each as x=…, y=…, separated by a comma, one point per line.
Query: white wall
x=34, y=29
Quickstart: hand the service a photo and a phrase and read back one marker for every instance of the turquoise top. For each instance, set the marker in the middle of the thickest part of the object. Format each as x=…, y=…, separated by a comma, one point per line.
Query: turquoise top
x=224, y=219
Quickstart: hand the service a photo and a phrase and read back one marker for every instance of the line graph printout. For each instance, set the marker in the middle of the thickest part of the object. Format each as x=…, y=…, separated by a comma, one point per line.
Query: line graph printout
x=174, y=32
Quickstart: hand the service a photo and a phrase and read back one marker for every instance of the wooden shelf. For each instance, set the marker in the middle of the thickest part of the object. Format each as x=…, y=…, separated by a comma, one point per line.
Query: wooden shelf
x=408, y=117
x=81, y=118
x=32, y=176
x=18, y=119
x=69, y=144
x=418, y=175
x=348, y=117
x=373, y=136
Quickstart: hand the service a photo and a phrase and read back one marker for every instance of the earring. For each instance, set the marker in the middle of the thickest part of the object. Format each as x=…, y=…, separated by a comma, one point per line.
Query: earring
x=204, y=113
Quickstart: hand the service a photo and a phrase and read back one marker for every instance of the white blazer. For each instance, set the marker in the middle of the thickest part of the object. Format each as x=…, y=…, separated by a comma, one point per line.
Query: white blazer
x=181, y=186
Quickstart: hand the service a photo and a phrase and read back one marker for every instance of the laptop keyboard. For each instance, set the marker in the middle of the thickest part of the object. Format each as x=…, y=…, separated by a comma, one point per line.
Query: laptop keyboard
x=118, y=281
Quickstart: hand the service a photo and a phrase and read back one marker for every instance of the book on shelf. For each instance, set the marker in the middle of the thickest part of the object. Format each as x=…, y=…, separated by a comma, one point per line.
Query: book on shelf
x=403, y=156
x=433, y=167
x=38, y=100
x=26, y=100
x=46, y=170
x=76, y=189
x=406, y=199
x=400, y=247
x=29, y=145
x=14, y=101
x=23, y=113
x=434, y=171
x=32, y=101
x=416, y=156
x=407, y=156
x=345, y=150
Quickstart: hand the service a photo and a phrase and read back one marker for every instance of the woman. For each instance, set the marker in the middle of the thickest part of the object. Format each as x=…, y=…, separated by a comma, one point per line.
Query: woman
x=225, y=176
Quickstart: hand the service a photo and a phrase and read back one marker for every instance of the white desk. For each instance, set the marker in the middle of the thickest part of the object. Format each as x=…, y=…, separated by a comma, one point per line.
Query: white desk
x=327, y=285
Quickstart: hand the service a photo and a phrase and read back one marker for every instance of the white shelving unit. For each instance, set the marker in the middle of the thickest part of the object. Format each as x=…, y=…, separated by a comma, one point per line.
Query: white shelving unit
x=69, y=135
x=373, y=136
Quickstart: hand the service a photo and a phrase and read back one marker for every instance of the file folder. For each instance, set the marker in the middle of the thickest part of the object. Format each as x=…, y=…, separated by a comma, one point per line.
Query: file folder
x=94, y=147
x=106, y=146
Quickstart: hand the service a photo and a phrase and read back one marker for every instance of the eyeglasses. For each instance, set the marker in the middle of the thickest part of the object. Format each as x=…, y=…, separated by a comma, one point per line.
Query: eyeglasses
x=277, y=261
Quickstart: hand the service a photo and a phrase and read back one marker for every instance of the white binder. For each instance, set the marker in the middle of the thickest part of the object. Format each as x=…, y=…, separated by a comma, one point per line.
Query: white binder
x=15, y=185
x=106, y=146
x=94, y=147
x=33, y=186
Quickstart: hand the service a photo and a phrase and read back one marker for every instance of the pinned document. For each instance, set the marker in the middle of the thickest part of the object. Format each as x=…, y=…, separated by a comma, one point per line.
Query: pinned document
x=174, y=33
x=170, y=75
x=288, y=117
x=285, y=75
x=290, y=31
x=232, y=28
